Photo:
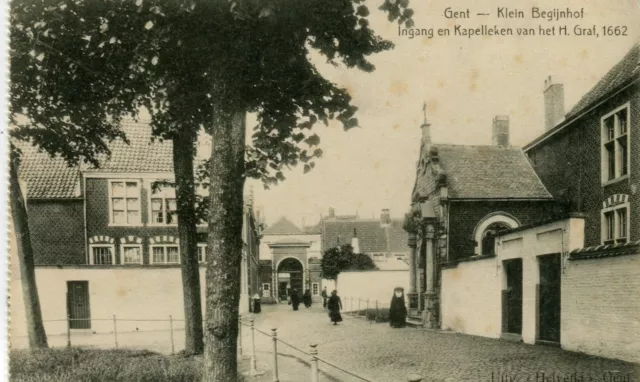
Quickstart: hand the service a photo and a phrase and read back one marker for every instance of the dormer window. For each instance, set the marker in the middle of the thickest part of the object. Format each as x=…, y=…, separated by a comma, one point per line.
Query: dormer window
x=615, y=144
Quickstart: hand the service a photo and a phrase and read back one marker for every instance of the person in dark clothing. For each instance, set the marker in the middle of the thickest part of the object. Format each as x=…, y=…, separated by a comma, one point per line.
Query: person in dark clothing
x=256, y=303
x=324, y=297
x=306, y=298
x=398, y=310
x=334, y=305
x=295, y=299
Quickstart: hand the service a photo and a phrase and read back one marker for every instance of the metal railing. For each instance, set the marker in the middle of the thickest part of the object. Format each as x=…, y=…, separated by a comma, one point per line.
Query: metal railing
x=312, y=354
x=123, y=330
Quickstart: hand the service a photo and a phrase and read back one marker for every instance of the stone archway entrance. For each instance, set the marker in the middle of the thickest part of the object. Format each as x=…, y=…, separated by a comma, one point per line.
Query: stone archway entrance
x=290, y=276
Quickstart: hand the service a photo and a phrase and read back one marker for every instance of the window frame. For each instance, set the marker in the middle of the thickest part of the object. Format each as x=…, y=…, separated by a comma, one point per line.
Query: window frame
x=605, y=228
x=162, y=195
x=110, y=183
x=315, y=292
x=266, y=290
x=112, y=247
x=606, y=142
x=130, y=245
x=166, y=255
x=484, y=223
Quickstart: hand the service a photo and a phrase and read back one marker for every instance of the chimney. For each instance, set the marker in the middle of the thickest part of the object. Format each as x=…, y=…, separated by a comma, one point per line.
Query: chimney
x=500, y=130
x=354, y=242
x=425, y=127
x=332, y=213
x=553, y=103
x=385, y=217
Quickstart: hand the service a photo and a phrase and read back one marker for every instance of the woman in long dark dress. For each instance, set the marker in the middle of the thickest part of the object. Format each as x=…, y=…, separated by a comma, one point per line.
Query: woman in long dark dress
x=306, y=298
x=398, y=310
x=334, y=305
x=295, y=299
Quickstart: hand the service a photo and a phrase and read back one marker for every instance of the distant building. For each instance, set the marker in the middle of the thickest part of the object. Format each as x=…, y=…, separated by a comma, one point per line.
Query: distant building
x=289, y=259
x=383, y=239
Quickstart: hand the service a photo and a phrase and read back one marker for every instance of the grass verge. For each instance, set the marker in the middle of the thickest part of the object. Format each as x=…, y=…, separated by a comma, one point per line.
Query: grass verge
x=78, y=364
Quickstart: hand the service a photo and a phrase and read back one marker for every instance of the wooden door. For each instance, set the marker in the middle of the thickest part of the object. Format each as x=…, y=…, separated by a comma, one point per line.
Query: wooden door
x=512, y=297
x=78, y=307
x=549, y=298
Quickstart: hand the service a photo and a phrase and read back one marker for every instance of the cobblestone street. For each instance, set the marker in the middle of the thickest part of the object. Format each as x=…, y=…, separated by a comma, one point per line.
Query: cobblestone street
x=380, y=353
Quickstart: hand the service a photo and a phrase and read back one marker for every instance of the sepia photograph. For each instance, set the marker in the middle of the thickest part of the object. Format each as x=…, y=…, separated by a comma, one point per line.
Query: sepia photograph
x=321, y=190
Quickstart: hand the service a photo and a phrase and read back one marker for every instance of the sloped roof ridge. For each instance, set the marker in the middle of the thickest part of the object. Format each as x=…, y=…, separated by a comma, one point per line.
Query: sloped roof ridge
x=283, y=226
x=624, y=70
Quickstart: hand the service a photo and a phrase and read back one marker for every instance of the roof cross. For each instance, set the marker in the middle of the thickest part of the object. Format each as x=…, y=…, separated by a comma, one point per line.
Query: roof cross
x=424, y=111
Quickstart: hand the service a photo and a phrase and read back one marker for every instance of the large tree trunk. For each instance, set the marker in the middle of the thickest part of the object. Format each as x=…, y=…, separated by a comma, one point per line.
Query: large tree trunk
x=225, y=243
x=183, y=154
x=35, y=328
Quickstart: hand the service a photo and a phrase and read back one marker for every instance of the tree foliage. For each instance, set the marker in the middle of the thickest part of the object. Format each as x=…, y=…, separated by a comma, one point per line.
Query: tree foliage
x=342, y=258
x=78, y=66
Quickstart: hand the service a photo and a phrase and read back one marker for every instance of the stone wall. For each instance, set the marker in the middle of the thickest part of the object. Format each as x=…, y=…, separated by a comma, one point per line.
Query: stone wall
x=601, y=307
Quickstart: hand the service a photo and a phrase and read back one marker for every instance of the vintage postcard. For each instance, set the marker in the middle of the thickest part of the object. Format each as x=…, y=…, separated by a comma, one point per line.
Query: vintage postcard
x=322, y=190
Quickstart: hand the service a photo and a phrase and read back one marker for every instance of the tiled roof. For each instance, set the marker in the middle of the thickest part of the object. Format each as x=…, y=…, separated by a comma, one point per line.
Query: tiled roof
x=140, y=155
x=282, y=227
x=372, y=236
x=47, y=177
x=605, y=250
x=485, y=172
x=623, y=72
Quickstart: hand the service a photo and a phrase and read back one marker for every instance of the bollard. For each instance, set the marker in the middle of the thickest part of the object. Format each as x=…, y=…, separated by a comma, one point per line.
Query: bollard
x=274, y=335
x=115, y=330
x=314, y=362
x=254, y=370
x=377, y=313
x=414, y=378
x=68, y=331
x=171, y=330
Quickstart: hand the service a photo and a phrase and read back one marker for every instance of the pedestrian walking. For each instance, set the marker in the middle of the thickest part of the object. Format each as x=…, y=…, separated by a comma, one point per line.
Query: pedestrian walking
x=256, y=303
x=306, y=298
x=398, y=310
x=324, y=297
x=334, y=304
x=295, y=299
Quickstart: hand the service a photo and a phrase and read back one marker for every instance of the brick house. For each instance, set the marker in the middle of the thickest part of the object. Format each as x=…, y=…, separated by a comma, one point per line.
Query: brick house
x=463, y=196
x=591, y=159
x=566, y=273
x=105, y=240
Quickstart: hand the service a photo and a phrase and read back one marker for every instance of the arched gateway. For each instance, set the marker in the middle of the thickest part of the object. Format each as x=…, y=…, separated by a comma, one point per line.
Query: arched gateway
x=290, y=273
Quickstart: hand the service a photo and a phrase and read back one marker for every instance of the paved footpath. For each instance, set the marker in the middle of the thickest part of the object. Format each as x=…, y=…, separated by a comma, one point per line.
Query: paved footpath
x=380, y=353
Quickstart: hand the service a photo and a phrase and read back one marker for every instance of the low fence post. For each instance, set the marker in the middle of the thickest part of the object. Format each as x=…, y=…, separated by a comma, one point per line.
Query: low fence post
x=274, y=335
x=254, y=369
x=314, y=362
x=68, y=331
x=171, y=330
x=377, y=313
x=358, y=311
x=115, y=330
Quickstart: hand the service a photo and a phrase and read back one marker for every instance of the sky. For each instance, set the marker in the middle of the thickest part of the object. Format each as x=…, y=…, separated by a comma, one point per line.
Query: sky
x=465, y=83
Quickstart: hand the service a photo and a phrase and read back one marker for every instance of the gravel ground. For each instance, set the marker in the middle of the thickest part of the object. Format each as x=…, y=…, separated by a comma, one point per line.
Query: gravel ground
x=380, y=353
